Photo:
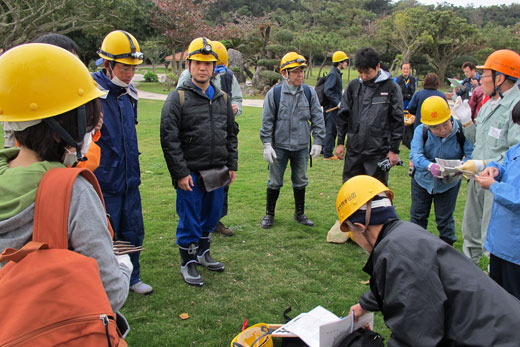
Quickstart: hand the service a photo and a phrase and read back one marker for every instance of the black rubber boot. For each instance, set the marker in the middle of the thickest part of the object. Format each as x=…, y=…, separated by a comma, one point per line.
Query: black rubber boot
x=299, y=204
x=203, y=256
x=272, y=196
x=189, y=265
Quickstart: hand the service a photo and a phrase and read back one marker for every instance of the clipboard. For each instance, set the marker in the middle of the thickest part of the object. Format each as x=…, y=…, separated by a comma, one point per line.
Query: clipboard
x=455, y=82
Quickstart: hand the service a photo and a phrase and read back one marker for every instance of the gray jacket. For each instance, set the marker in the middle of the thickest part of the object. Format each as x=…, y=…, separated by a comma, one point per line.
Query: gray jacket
x=295, y=121
x=88, y=235
x=432, y=295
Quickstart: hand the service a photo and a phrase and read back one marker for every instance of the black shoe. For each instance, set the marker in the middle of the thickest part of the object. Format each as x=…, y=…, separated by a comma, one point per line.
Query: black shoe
x=191, y=275
x=209, y=263
x=302, y=219
x=267, y=222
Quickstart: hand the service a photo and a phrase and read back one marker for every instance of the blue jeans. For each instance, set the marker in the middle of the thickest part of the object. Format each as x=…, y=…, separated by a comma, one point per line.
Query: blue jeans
x=330, y=133
x=199, y=212
x=444, y=206
x=298, y=160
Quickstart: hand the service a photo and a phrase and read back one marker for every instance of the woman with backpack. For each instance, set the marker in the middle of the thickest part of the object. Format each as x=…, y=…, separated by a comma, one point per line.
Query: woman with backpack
x=439, y=136
x=49, y=98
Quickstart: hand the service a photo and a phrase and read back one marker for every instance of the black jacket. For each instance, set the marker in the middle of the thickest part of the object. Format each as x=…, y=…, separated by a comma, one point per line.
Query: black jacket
x=432, y=295
x=408, y=89
x=371, y=113
x=333, y=87
x=201, y=135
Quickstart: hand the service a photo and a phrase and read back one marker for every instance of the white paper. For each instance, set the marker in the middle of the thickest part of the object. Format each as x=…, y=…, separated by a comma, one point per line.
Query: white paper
x=322, y=328
x=449, y=166
x=455, y=82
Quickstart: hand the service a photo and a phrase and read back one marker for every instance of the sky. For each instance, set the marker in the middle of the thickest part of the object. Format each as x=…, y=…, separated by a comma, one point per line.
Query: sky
x=476, y=3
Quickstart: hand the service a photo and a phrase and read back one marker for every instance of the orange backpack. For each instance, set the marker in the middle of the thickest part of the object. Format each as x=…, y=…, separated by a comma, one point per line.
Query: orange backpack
x=50, y=296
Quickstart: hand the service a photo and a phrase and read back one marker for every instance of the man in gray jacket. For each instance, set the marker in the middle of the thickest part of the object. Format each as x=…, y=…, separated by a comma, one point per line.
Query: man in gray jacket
x=285, y=134
x=428, y=292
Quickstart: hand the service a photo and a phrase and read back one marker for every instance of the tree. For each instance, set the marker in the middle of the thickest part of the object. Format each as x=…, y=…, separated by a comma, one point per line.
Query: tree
x=407, y=31
x=24, y=21
x=451, y=37
x=180, y=21
x=153, y=51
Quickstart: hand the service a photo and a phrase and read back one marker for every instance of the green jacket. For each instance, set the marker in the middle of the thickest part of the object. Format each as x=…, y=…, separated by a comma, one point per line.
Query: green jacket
x=494, y=132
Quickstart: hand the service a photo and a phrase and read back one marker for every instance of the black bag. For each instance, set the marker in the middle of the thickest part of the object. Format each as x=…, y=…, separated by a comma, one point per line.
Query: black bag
x=320, y=90
x=214, y=178
x=362, y=338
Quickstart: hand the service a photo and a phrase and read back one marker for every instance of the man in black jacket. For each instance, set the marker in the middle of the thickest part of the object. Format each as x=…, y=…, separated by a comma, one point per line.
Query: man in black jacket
x=332, y=90
x=198, y=133
x=428, y=292
x=371, y=114
x=407, y=82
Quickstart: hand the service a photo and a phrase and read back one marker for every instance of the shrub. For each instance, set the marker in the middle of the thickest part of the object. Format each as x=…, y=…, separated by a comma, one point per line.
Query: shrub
x=171, y=81
x=151, y=77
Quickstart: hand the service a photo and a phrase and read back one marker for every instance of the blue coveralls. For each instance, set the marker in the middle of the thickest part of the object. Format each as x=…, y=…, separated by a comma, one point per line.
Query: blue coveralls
x=118, y=172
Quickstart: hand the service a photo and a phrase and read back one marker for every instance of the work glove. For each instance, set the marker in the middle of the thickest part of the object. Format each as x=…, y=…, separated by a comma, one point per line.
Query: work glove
x=436, y=170
x=269, y=153
x=462, y=111
x=125, y=260
x=474, y=166
x=315, y=151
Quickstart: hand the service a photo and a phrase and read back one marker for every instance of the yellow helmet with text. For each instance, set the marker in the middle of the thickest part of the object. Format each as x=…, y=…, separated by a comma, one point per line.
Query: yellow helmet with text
x=339, y=56
x=40, y=81
x=292, y=60
x=221, y=52
x=202, y=49
x=122, y=47
x=258, y=335
x=356, y=192
x=435, y=110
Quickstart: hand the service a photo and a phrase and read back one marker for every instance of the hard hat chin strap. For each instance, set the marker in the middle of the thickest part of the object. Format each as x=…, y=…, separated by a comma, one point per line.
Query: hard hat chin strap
x=496, y=89
x=81, y=115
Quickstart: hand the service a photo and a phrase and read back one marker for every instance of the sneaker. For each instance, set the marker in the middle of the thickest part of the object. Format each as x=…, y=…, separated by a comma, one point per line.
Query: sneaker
x=331, y=158
x=141, y=288
x=224, y=230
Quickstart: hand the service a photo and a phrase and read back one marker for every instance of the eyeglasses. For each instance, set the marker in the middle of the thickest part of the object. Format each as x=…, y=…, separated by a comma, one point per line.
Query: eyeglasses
x=126, y=68
x=299, y=61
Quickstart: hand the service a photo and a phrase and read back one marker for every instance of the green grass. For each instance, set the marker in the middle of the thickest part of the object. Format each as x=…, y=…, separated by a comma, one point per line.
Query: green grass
x=266, y=270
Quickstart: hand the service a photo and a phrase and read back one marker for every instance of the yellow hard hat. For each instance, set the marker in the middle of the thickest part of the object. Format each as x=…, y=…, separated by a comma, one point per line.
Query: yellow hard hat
x=40, y=81
x=258, y=335
x=292, y=60
x=121, y=47
x=505, y=61
x=202, y=49
x=356, y=192
x=435, y=110
x=339, y=56
x=221, y=52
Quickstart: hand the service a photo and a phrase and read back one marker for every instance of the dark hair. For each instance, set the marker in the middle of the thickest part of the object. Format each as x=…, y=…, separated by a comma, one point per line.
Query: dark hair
x=470, y=65
x=47, y=143
x=60, y=41
x=337, y=63
x=515, y=114
x=366, y=58
x=431, y=81
x=406, y=62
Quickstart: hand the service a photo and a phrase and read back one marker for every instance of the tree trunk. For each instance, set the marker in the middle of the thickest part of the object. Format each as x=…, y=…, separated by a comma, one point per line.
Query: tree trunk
x=322, y=64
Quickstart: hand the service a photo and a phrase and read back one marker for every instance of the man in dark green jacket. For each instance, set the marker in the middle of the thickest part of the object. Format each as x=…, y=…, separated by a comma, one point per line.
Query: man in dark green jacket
x=199, y=133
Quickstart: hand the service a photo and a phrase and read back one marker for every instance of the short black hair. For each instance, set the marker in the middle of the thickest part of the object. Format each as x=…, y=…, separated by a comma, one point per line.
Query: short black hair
x=470, y=65
x=60, y=41
x=42, y=139
x=406, y=62
x=515, y=114
x=366, y=58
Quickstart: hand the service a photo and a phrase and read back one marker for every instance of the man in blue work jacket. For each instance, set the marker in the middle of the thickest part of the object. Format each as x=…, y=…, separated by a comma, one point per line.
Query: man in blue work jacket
x=118, y=172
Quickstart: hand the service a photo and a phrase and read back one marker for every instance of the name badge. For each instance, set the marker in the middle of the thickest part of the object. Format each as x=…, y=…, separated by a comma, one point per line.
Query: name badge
x=494, y=132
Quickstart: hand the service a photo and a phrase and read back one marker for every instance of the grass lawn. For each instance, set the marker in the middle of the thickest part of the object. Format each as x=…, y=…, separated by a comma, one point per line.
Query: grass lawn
x=266, y=270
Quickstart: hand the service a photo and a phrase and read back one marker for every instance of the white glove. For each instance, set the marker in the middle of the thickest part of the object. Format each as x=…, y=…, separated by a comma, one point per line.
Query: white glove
x=462, y=111
x=315, y=151
x=269, y=153
x=125, y=260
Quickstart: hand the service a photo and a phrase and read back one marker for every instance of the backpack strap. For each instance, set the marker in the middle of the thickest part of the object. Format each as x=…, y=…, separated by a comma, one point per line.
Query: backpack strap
x=461, y=139
x=51, y=209
x=181, y=97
